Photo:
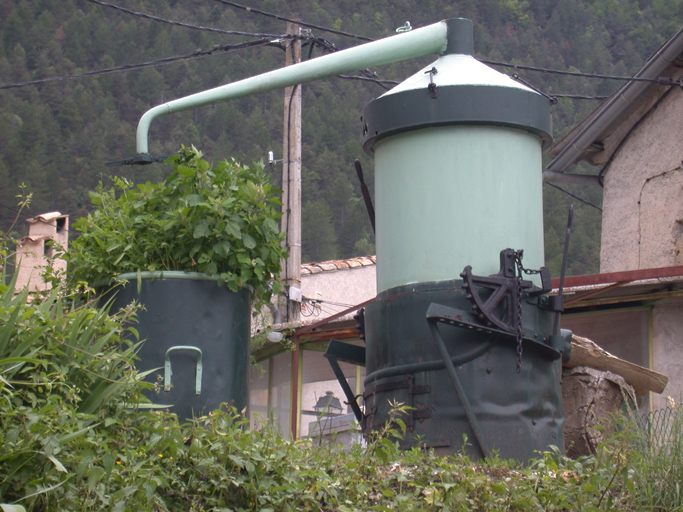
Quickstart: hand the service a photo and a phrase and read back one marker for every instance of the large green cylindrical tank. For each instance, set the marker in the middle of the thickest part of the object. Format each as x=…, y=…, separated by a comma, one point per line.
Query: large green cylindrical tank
x=457, y=150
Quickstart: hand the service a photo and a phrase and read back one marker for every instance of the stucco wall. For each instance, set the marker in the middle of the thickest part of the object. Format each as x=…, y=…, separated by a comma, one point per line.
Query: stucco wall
x=345, y=286
x=643, y=193
x=667, y=334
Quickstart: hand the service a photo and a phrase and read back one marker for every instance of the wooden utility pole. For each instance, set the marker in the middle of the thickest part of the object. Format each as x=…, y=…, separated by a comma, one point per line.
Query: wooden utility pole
x=291, y=183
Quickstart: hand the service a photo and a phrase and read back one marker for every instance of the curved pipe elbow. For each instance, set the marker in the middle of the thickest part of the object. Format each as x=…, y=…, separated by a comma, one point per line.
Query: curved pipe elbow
x=142, y=136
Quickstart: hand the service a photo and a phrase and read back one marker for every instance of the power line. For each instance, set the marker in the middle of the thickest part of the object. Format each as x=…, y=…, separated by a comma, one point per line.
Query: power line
x=379, y=81
x=331, y=303
x=516, y=77
x=323, y=43
x=170, y=60
x=580, y=97
x=573, y=195
x=554, y=97
x=181, y=24
x=291, y=20
x=661, y=80
x=199, y=54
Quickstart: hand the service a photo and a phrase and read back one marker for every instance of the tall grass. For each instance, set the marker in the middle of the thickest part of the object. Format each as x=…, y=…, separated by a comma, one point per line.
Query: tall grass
x=657, y=460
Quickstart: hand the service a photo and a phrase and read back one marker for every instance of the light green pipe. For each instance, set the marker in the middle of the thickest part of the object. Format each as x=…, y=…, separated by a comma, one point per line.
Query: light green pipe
x=416, y=43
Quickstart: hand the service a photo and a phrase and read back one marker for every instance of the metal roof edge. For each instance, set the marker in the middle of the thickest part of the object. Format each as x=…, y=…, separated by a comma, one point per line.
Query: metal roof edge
x=620, y=277
x=613, y=106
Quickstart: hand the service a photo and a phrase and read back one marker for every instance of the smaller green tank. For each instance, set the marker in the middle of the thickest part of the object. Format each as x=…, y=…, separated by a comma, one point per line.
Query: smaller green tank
x=196, y=338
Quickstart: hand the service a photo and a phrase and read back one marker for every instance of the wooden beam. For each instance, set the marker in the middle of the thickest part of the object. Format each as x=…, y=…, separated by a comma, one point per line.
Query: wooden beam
x=620, y=277
x=587, y=353
x=580, y=298
x=646, y=298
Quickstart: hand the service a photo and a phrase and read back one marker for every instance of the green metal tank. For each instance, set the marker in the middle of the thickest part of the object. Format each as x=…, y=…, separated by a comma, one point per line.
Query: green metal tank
x=459, y=332
x=196, y=338
x=457, y=151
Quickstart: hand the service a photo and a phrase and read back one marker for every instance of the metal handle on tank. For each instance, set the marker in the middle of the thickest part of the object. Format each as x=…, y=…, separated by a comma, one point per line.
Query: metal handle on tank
x=168, y=372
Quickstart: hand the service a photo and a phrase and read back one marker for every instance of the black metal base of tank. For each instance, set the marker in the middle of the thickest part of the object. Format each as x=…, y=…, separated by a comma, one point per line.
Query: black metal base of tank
x=196, y=340
x=495, y=409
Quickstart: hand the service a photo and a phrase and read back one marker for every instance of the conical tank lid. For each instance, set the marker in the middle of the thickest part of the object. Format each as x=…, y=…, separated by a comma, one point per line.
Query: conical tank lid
x=457, y=70
x=456, y=89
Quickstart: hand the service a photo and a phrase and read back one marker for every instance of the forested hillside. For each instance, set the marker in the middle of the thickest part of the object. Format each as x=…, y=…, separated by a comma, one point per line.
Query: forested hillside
x=56, y=136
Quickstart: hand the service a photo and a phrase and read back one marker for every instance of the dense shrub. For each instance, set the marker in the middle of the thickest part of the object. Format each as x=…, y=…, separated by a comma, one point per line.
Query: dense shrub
x=218, y=219
x=77, y=435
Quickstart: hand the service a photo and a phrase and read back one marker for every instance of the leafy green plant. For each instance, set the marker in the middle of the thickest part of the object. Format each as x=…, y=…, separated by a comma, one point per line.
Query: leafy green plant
x=63, y=368
x=219, y=220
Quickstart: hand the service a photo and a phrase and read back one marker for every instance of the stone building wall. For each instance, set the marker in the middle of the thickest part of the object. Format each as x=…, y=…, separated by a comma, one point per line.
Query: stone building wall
x=348, y=282
x=642, y=221
x=667, y=347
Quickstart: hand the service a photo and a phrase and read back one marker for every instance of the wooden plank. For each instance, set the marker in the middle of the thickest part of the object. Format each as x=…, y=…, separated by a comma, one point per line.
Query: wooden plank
x=587, y=353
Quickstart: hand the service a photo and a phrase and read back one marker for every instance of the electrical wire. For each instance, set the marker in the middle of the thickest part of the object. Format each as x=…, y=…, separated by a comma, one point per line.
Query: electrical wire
x=181, y=24
x=661, y=80
x=323, y=43
x=519, y=79
x=382, y=83
x=368, y=75
x=552, y=98
x=580, y=97
x=321, y=301
x=573, y=195
x=328, y=312
x=314, y=307
x=199, y=54
x=291, y=20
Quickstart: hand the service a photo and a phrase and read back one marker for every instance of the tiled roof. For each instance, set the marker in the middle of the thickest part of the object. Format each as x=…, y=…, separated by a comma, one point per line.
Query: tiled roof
x=334, y=265
x=46, y=217
x=33, y=239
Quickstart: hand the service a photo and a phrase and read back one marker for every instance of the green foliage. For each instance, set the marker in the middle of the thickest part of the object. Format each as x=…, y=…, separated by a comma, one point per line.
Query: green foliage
x=219, y=220
x=64, y=369
x=75, y=435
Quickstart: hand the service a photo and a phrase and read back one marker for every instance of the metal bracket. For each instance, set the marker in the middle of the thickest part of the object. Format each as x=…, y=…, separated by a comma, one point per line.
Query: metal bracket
x=459, y=318
x=432, y=86
x=495, y=298
x=347, y=353
x=168, y=372
x=459, y=390
x=500, y=307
